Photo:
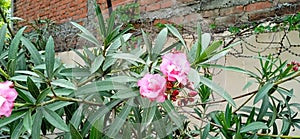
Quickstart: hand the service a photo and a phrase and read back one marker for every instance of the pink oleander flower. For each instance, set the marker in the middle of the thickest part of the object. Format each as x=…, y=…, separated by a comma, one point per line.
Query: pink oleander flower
x=176, y=67
x=7, y=97
x=153, y=87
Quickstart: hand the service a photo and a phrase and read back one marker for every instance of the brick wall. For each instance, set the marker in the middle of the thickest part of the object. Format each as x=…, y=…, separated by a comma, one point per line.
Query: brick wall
x=222, y=13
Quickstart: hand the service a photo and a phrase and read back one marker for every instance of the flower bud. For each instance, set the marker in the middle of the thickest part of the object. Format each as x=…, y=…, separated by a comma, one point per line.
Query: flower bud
x=193, y=94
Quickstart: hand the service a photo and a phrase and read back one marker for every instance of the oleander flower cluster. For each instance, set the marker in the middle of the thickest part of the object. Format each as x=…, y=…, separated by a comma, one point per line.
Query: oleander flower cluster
x=8, y=94
x=175, y=68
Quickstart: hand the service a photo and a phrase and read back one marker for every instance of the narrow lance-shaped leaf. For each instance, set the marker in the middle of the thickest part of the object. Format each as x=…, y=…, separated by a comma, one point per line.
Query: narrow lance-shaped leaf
x=50, y=57
x=128, y=56
x=262, y=92
x=32, y=88
x=27, y=122
x=86, y=34
x=120, y=120
x=63, y=83
x=199, y=42
x=147, y=43
x=14, y=46
x=100, y=19
x=34, y=53
x=175, y=32
x=2, y=37
x=96, y=64
x=54, y=119
x=36, y=127
x=159, y=43
x=254, y=126
x=219, y=90
x=14, y=116
x=74, y=132
x=174, y=116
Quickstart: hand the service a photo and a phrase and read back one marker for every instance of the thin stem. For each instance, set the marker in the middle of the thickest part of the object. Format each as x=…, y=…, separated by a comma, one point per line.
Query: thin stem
x=78, y=100
x=59, y=98
x=245, y=102
x=220, y=101
x=91, y=78
x=4, y=73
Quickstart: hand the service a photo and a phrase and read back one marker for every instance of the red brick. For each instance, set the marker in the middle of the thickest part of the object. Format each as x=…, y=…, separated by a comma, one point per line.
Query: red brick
x=261, y=15
x=258, y=6
x=232, y=10
x=192, y=17
x=210, y=13
x=166, y=4
x=146, y=2
x=153, y=7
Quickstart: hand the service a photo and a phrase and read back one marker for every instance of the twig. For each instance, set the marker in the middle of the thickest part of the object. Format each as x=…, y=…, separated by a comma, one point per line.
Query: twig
x=5, y=21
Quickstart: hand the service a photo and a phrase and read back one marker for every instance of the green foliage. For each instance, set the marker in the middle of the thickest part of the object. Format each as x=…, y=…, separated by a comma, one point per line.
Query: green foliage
x=100, y=98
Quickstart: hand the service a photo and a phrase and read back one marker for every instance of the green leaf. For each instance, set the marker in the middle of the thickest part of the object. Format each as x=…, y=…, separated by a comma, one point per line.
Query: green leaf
x=25, y=96
x=205, y=133
x=97, y=129
x=96, y=64
x=14, y=116
x=228, y=115
x=109, y=61
x=116, y=125
x=285, y=126
x=75, y=72
x=262, y=92
x=77, y=116
x=254, y=126
x=231, y=68
x=175, y=32
x=63, y=83
x=174, y=45
x=148, y=115
x=174, y=116
x=159, y=43
x=86, y=34
x=32, y=88
x=248, y=84
x=43, y=95
x=111, y=22
x=50, y=57
x=148, y=44
x=17, y=131
x=2, y=37
x=24, y=78
x=98, y=114
x=57, y=105
x=199, y=46
x=122, y=79
x=206, y=38
x=74, y=132
x=36, y=127
x=194, y=77
x=128, y=93
x=27, y=73
x=27, y=122
x=117, y=42
x=219, y=90
x=34, y=53
x=14, y=46
x=128, y=56
x=98, y=86
x=54, y=119
x=100, y=20
x=263, y=109
x=209, y=50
